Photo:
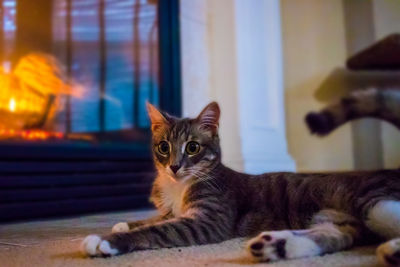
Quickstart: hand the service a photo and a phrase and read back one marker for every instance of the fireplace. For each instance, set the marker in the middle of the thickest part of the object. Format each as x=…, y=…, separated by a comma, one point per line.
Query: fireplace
x=74, y=78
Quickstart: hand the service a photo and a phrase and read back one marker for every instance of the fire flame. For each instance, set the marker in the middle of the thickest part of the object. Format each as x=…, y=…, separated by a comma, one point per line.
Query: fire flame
x=29, y=134
x=35, y=77
x=12, y=105
x=31, y=91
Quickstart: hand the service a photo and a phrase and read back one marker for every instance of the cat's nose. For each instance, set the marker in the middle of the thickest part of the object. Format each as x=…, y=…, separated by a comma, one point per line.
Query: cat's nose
x=174, y=168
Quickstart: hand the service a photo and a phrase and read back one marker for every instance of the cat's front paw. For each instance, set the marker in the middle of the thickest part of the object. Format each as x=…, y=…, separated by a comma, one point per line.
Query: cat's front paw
x=94, y=245
x=389, y=253
x=278, y=245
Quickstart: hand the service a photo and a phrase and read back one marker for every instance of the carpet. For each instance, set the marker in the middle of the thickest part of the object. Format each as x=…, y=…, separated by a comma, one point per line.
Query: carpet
x=56, y=243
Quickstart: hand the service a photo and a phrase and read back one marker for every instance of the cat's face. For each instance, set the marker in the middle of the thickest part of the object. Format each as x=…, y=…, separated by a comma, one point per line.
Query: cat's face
x=185, y=148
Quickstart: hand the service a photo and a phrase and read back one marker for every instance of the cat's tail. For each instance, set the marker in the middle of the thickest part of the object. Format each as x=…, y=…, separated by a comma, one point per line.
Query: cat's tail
x=380, y=104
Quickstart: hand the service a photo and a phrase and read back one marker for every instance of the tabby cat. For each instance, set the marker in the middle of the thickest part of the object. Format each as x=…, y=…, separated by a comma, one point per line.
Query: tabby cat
x=381, y=104
x=289, y=215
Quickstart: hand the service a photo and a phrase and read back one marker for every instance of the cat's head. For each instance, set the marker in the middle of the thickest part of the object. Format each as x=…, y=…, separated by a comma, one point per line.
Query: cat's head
x=185, y=148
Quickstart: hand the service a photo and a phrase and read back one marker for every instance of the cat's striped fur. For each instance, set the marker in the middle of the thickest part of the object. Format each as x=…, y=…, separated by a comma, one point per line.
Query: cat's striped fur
x=201, y=201
x=381, y=104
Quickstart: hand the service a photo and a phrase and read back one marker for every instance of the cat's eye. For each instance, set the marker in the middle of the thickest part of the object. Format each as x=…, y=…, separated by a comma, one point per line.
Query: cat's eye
x=163, y=148
x=192, y=148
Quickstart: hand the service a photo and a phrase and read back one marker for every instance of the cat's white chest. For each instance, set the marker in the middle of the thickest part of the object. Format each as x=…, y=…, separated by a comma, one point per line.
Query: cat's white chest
x=172, y=194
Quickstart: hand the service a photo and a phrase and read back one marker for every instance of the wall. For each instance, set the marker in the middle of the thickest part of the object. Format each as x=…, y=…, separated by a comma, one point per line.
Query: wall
x=208, y=68
x=314, y=44
x=387, y=21
x=231, y=53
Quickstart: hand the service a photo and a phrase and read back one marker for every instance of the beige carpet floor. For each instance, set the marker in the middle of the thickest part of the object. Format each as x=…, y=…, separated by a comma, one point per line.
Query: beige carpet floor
x=56, y=243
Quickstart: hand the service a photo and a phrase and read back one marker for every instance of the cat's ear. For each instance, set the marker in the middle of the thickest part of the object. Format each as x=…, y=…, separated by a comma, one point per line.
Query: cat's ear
x=158, y=120
x=209, y=117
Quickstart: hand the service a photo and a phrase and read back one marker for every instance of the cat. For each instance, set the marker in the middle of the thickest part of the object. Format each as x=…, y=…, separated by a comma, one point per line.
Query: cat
x=286, y=215
x=381, y=104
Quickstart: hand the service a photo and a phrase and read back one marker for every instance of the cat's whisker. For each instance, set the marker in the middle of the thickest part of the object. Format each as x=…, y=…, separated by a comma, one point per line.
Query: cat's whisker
x=206, y=178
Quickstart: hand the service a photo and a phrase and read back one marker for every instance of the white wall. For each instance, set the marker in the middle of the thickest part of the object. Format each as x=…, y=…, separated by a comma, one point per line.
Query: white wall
x=314, y=44
x=260, y=86
x=231, y=53
x=387, y=21
x=208, y=68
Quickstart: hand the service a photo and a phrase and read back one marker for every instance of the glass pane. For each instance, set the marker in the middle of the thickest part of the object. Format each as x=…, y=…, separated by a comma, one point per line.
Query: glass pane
x=85, y=65
x=131, y=54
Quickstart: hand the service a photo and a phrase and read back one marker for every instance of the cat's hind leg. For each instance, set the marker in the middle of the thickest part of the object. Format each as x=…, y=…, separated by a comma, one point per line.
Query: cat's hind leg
x=384, y=219
x=329, y=231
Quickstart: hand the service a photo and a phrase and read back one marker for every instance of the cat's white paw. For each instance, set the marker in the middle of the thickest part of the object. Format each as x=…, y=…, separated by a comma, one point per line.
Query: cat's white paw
x=120, y=227
x=389, y=253
x=278, y=245
x=93, y=245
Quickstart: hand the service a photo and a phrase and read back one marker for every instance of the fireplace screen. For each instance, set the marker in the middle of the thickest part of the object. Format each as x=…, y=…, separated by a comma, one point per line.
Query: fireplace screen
x=75, y=76
x=78, y=70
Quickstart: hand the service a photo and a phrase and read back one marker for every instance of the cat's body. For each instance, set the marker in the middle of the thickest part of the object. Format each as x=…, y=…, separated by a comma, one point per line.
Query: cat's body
x=281, y=200
x=201, y=201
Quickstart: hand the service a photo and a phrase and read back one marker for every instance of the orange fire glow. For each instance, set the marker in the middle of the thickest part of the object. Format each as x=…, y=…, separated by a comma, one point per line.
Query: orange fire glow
x=29, y=134
x=25, y=94
x=12, y=105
